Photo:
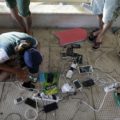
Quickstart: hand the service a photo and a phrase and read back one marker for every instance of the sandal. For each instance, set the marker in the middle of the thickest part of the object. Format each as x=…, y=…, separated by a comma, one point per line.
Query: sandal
x=97, y=45
x=93, y=37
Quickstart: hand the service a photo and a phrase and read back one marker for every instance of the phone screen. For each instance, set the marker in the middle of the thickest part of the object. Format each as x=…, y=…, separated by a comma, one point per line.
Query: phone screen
x=86, y=69
x=19, y=99
x=30, y=102
x=77, y=84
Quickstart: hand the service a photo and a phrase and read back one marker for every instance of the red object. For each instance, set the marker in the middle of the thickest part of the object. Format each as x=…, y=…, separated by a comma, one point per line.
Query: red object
x=71, y=36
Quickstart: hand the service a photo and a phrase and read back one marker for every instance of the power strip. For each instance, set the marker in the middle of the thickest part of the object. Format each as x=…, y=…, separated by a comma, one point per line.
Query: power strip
x=111, y=87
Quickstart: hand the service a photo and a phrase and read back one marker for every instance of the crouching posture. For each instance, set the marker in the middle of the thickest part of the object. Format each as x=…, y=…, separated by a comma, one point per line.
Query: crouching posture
x=19, y=47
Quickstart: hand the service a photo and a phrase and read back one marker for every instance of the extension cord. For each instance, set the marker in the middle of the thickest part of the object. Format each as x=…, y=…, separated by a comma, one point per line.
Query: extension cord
x=111, y=87
x=70, y=71
x=45, y=98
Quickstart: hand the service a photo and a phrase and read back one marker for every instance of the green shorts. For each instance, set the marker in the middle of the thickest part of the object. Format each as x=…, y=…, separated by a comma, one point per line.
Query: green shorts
x=22, y=6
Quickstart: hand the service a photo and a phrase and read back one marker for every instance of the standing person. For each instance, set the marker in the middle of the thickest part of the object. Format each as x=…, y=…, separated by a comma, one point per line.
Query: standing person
x=22, y=47
x=107, y=11
x=21, y=14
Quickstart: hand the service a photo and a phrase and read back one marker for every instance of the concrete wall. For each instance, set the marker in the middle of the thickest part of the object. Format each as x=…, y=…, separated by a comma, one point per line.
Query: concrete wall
x=55, y=16
x=57, y=20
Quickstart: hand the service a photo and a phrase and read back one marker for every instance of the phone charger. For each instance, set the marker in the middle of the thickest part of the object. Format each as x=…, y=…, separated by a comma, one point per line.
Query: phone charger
x=69, y=74
x=111, y=87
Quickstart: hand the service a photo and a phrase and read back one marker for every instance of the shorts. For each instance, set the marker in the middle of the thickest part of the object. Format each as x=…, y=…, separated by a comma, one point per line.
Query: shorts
x=106, y=8
x=22, y=6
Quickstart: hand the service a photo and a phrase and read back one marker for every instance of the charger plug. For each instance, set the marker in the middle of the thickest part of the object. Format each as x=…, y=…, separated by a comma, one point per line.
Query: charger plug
x=74, y=65
x=111, y=87
x=70, y=71
x=69, y=74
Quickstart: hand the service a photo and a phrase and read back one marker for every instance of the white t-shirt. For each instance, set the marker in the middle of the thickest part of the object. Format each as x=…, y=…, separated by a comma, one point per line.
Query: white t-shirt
x=3, y=56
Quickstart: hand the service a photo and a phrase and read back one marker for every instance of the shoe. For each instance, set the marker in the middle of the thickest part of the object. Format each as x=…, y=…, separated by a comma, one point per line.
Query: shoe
x=97, y=45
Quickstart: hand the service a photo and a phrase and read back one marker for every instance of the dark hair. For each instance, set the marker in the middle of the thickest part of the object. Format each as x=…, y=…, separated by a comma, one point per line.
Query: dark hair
x=25, y=46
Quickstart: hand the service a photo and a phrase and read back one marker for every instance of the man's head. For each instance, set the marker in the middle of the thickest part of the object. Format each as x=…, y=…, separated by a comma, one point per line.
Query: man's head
x=24, y=45
x=32, y=59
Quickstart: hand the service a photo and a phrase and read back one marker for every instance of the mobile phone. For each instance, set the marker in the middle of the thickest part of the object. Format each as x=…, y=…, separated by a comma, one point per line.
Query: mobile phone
x=50, y=107
x=18, y=100
x=30, y=102
x=77, y=84
x=79, y=59
x=88, y=83
x=28, y=85
x=86, y=69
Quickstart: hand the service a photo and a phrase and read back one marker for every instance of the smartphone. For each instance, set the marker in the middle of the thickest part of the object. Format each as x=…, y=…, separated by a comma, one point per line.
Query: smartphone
x=18, y=100
x=30, y=102
x=77, y=84
x=50, y=107
x=28, y=85
x=88, y=83
x=79, y=59
x=86, y=69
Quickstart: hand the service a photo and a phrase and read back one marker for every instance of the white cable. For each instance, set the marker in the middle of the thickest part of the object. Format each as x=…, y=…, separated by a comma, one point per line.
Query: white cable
x=35, y=110
x=111, y=77
x=96, y=110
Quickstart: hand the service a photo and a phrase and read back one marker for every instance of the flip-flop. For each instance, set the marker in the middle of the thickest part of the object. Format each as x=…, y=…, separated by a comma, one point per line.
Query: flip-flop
x=92, y=37
x=97, y=45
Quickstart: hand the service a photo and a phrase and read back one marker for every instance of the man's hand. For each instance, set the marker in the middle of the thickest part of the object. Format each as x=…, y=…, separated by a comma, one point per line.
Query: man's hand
x=22, y=74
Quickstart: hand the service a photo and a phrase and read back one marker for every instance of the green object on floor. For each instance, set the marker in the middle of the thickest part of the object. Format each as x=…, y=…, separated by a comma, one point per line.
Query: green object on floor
x=117, y=98
x=50, y=88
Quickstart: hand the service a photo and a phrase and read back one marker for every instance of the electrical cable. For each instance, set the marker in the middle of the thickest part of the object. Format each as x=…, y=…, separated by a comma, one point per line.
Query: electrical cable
x=96, y=110
x=35, y=110
x=6, y=118
x=19, y=85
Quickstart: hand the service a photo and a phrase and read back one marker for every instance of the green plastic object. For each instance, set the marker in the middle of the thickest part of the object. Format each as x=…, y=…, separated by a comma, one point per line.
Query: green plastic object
x=117, y=98
x=51, y=88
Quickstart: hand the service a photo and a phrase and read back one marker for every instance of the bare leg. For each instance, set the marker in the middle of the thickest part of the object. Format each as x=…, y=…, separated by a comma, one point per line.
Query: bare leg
x=100, y=25
x=28, y=24
x=17, y=18
x=103, y=31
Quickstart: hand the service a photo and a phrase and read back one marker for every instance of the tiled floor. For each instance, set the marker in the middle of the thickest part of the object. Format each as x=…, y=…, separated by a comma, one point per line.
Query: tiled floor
x=106, y=65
